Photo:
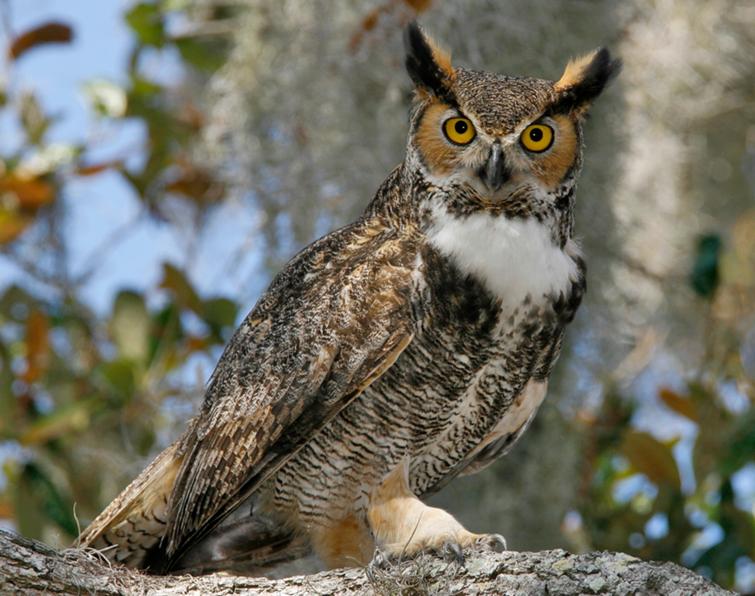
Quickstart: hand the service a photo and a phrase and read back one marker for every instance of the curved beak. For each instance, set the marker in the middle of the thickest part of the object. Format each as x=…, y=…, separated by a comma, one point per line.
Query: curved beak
x=495, y=173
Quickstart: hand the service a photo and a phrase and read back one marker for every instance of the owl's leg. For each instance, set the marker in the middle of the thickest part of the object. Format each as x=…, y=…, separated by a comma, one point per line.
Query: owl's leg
x=343, y=543
x=402, y=525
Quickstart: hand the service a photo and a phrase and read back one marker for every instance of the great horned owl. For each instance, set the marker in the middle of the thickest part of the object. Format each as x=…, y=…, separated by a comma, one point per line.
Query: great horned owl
x=392, y=355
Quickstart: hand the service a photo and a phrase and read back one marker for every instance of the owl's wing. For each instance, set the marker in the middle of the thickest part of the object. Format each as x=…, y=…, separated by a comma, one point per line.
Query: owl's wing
x=329, y=325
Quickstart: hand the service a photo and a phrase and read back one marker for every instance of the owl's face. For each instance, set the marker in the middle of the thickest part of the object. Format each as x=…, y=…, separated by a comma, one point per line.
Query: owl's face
x=503, y=144
x=500, y=139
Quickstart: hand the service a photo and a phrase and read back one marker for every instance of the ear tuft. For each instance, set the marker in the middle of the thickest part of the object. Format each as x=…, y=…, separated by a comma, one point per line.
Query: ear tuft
x=584, y=79
x=427, y=64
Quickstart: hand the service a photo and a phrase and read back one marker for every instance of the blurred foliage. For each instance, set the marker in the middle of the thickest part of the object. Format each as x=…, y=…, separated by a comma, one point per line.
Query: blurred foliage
x=660, y=520
x=33, y=176
x=705, y=275
x=81, y=392
x=632, y=497
x=85, y=396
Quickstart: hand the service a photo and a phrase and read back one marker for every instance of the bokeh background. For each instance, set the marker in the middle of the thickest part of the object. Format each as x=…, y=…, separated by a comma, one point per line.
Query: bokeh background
x=160, y=161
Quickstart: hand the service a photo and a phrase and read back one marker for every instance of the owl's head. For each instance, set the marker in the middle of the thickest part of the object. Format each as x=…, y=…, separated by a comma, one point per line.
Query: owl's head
x=502, y=143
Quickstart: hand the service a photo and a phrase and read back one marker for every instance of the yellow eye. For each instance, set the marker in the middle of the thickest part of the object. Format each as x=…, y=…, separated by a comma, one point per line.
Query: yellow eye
x=459, y=131
x=537, y=138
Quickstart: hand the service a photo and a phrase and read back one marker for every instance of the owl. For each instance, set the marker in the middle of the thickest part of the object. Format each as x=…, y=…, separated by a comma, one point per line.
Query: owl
x=392, y=355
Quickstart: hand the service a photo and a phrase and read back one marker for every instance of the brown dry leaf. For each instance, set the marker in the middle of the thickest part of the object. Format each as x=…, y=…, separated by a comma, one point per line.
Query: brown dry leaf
x=31, y=193
x=680, y=405
x=6, y=510
x=652, y=458
x=52, y=32
x=196, y=183
x=369, y=22
x=12, y=225
x=37, y=345
x=192, y=116
x=96, y=168
x=195, y=343
x=419, y=5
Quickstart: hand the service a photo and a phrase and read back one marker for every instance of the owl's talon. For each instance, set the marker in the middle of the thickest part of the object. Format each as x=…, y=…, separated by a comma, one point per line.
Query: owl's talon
x=452, y=551
x=493, y=542
x=380, y=560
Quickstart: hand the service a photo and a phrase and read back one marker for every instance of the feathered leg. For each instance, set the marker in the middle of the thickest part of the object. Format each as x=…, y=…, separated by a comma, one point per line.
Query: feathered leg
x=402, y=525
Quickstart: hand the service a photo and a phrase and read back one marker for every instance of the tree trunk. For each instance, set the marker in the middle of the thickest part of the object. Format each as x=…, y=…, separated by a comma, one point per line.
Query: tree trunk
x=30, y=567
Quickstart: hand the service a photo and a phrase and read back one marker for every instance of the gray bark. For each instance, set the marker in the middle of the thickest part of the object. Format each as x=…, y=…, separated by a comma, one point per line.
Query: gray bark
x=30, y=567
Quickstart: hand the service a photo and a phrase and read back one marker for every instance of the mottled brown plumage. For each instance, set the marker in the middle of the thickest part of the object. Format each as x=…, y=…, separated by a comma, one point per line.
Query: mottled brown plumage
x=390, y=356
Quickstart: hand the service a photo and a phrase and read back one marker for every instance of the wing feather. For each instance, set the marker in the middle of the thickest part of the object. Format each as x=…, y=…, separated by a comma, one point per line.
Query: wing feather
x=145, y=493
x=331, y=324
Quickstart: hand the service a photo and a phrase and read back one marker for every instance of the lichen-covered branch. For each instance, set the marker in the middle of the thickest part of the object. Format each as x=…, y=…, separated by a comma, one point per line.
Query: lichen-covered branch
x=30, y=567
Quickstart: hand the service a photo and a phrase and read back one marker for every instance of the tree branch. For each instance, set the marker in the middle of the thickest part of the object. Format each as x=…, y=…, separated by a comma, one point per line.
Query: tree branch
x=31, y=567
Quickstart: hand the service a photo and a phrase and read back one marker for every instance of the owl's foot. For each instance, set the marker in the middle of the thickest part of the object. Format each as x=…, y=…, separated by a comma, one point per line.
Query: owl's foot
x=403, y=526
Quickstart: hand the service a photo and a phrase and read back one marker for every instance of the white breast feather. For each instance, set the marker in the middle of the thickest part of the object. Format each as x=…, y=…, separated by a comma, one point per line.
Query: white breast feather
x=512, y=257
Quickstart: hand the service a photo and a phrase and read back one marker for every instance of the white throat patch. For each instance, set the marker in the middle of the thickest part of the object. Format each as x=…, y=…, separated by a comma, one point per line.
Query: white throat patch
x=512, y=257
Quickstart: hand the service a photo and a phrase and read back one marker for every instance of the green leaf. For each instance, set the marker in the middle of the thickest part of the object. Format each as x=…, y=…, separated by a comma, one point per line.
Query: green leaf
x=143, y=439
x=83, y=349
x=121, y=378
x=144, y=89
x=35, y=493
x=28, y=516
x=167, y=332
x=33, y=118
x=219, y=313
x=130, y=326
x=200, y=55
x=8, y=401
x=69, y=419
x=705, y=271
x=16, y=303
x=176, y=282
x=740, y=445
x=713, y=431
x=652, y=458
x=176, y=5
x=147, y=22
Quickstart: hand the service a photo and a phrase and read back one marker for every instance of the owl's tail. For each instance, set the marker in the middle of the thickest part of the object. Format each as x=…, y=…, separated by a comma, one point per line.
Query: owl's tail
x=252, y=545
x=129, y=531
x=130, y=528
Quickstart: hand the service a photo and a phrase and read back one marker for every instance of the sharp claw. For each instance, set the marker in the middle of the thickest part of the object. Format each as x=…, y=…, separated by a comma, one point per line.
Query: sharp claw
x=494, y=542
x=452, y=551
x=379, y=560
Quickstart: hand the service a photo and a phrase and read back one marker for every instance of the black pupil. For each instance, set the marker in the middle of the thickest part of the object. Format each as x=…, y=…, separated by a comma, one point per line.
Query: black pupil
x=536, y=134
x=460, y=127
